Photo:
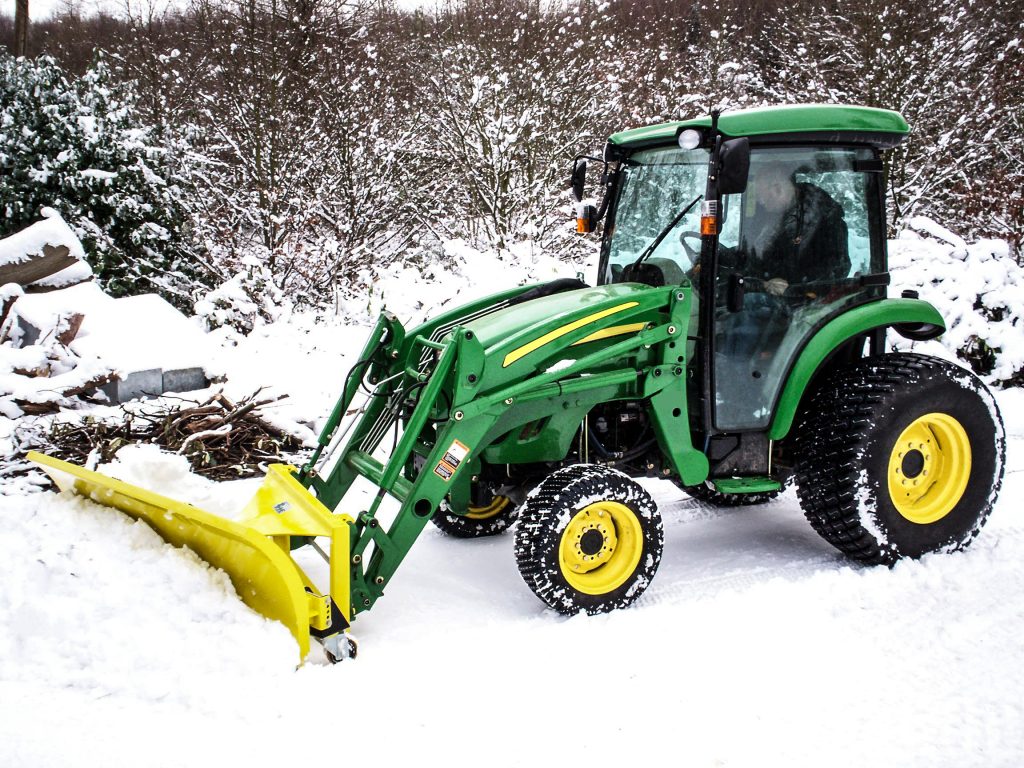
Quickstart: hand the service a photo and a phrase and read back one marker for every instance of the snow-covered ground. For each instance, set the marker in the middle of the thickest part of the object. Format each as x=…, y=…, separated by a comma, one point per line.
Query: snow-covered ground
x=756, y=645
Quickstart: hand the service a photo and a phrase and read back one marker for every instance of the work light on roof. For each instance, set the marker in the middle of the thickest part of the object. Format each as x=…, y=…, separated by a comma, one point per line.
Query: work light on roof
x=689, y=139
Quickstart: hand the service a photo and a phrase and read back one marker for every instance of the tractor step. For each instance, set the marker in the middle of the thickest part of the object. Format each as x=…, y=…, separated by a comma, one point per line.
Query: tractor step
x=746, y=485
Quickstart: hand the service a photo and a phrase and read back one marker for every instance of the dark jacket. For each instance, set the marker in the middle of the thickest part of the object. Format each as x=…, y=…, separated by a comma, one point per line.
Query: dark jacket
x=807, y=243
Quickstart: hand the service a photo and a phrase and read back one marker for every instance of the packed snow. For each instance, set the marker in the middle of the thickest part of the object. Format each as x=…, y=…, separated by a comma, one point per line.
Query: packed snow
x=756, y=644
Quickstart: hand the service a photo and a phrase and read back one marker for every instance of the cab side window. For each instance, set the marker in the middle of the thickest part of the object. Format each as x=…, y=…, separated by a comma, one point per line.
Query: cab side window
x=799, y=239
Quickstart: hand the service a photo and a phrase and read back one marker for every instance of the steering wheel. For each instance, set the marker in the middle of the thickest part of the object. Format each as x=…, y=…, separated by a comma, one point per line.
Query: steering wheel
x=693, y=253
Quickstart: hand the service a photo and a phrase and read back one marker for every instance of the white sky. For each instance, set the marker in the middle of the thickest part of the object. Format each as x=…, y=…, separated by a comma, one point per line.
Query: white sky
x=41, y=9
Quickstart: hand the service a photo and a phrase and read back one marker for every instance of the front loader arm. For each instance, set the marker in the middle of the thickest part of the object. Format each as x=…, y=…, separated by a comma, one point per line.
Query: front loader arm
x=383, y=343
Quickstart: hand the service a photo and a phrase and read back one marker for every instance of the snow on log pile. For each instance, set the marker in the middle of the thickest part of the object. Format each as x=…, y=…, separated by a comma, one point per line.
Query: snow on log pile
x=64, y=338
x=43, y=256
x=142, y=344
x=977, y=287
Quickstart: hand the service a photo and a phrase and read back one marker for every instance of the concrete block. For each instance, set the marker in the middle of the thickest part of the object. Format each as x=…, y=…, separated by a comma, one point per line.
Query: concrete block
x=138, y=385
x=185, y=380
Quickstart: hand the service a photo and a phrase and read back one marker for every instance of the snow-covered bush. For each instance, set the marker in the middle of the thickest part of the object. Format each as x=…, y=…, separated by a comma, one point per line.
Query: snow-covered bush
x=248, y=299
x=78, y=147
x=979, y=290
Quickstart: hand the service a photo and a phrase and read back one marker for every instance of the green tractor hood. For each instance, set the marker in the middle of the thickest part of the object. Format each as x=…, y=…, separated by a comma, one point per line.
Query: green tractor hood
x=530, y=337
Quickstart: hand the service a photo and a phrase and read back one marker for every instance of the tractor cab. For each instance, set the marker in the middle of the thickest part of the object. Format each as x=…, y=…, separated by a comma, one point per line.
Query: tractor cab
x=798, y=240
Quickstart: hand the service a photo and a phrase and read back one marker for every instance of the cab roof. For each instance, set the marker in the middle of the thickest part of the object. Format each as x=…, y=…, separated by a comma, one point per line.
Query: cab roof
x=833, y=123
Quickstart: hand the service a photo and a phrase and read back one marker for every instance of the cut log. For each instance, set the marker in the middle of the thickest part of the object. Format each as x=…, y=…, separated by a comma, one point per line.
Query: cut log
x=52, y=260
x=68, y=327
x=53, y=405
x=8, y=295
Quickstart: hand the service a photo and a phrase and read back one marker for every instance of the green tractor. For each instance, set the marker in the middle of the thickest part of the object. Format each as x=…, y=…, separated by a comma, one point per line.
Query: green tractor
x=735, y=340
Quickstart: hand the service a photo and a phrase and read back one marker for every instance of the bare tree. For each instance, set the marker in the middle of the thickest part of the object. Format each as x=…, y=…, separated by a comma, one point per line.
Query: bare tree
x=507, y=100
x=21, y=28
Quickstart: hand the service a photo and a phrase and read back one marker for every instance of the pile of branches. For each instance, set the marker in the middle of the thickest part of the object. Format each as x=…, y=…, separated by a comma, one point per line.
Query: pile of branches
x=222, y=439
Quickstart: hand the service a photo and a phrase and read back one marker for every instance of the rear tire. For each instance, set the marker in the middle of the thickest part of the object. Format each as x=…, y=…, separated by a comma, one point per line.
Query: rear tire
x=900, y=455
x=590, y=539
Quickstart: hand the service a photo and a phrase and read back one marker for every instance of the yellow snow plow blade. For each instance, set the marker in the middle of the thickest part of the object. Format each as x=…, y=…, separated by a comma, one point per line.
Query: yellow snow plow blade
x=254, y=551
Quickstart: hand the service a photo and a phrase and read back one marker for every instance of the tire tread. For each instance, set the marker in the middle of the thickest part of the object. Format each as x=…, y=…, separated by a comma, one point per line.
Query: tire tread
x=538, y=533
x=834, y=429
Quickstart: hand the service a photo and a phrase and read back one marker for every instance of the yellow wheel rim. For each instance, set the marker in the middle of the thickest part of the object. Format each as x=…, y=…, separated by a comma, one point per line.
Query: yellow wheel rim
x=929, y=468
x=495, y=508
x=600, y=547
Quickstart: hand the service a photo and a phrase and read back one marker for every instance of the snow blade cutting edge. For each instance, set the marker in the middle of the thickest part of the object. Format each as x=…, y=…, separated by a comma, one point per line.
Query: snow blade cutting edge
x=253, y=551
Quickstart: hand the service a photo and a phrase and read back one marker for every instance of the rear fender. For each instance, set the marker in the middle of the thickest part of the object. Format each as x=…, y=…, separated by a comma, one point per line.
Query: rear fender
x=920, y=317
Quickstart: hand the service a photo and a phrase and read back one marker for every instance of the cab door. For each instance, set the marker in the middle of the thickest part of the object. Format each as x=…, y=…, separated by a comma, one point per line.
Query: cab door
x=793, y=252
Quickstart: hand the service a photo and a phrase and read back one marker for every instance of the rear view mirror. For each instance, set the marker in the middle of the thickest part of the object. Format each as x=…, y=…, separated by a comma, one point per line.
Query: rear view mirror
x=733, y=166
x=579, y=178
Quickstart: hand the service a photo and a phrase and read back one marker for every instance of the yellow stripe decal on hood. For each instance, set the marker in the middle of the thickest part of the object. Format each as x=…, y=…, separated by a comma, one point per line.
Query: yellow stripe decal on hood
x=558, y=333
x=614, y=330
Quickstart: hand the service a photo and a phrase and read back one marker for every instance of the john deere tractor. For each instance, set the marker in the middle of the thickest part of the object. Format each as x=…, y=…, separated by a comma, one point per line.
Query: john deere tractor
x=736, y=338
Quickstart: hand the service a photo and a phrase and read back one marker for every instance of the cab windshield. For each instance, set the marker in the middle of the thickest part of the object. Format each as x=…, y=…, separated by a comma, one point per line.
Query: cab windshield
x=656, y=185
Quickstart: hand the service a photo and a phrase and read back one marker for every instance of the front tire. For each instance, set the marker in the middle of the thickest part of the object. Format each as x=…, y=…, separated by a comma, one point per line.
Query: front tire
x=490, y=519
x=589, y=539
x=900, y=455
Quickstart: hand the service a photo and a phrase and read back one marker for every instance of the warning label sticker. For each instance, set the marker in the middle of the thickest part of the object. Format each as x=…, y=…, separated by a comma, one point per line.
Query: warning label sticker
x=456, y=453
x=454, y=456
